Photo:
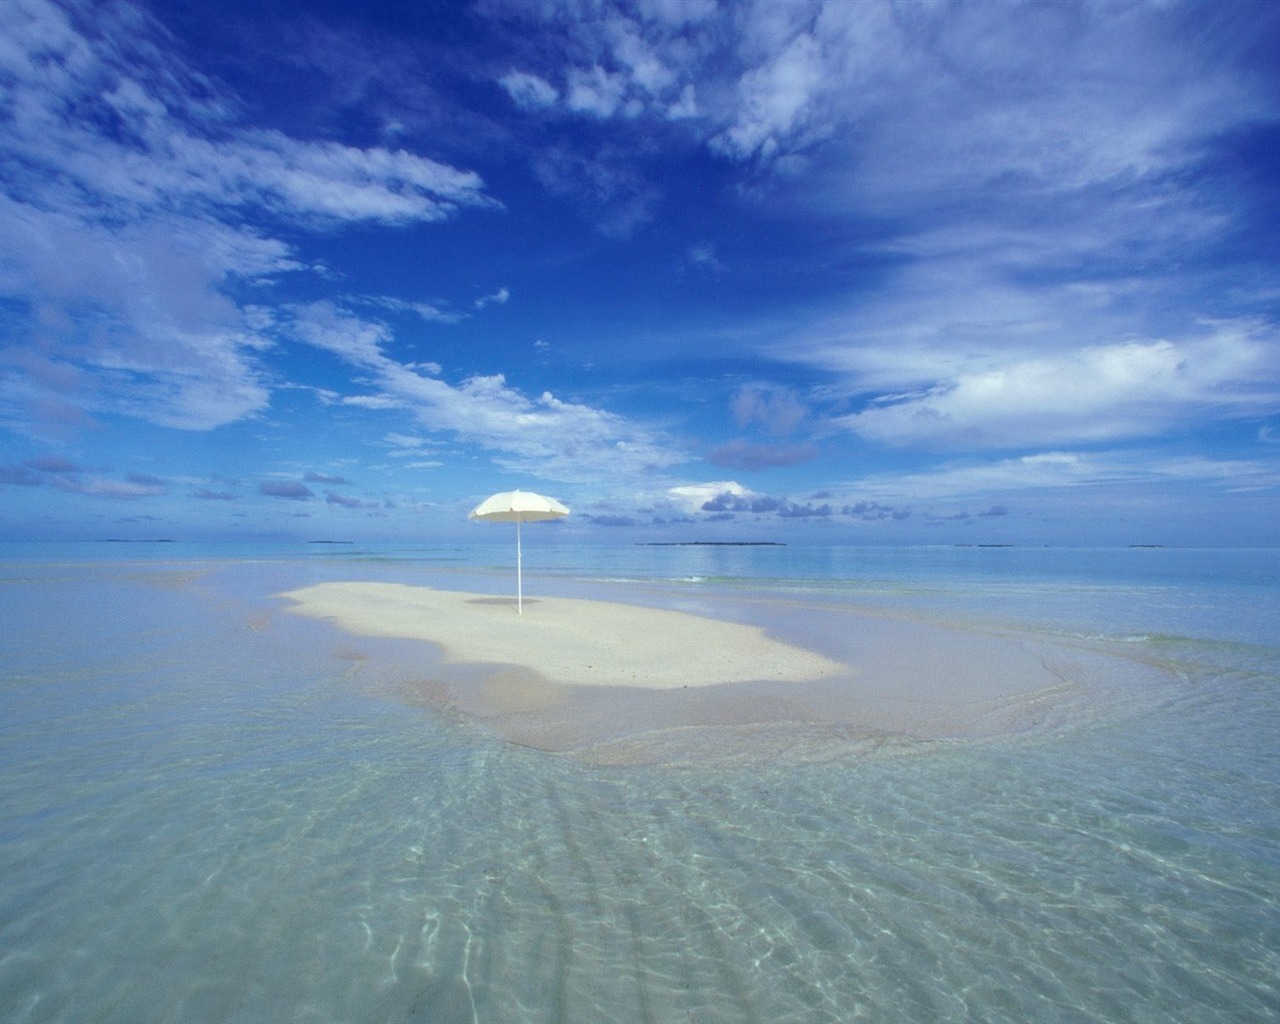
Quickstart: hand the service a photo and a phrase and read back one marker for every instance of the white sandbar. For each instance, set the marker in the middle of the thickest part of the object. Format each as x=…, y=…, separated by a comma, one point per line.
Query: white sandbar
x=567, y=640
x=626, y=684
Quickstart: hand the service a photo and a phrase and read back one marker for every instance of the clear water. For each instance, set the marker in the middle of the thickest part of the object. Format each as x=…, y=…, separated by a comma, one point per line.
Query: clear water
x=213, y=811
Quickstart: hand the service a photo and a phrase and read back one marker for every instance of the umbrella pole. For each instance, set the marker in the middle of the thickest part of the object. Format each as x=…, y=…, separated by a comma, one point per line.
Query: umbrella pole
x=519, y=574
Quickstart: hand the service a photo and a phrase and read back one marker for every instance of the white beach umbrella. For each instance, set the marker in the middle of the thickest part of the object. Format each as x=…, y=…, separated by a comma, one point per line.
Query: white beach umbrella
x=518, y=507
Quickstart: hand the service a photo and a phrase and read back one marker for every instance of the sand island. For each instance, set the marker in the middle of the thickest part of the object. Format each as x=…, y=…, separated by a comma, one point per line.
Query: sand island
x=616, y=681
x=567, y=640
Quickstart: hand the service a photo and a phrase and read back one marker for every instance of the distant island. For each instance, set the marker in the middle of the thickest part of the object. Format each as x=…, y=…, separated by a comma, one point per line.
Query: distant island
x=330, y=542
x=710, y=544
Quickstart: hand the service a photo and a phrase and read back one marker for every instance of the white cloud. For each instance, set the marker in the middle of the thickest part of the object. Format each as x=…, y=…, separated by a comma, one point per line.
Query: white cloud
x=544, y=435
x=1095, y=393
x=127, y=181
x=1102, y=93
x=529, y=91
x=964, y=480
x=373, y=402
x=498, y=298
x=405, y=443
x=647, y=71
x=773, y=100
x=685, y=105
x=920, y=98
x=160, y=343
x=328, y=181
x=618, y=64
x=175, y=140
x=327, y=327
x=596, y=91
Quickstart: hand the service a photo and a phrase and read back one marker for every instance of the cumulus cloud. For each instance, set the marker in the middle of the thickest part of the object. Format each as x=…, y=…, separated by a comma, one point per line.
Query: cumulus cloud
x=691, y=497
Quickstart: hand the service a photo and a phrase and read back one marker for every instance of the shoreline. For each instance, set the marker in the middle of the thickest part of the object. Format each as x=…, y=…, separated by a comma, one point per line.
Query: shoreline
x=619, y=683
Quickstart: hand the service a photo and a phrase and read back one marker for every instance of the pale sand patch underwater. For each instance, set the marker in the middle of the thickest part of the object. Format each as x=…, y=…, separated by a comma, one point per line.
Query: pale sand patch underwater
x=620, y=682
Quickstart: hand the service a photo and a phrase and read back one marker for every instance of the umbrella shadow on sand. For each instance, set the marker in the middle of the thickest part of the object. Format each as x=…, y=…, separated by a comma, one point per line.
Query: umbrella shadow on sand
x=503, y=602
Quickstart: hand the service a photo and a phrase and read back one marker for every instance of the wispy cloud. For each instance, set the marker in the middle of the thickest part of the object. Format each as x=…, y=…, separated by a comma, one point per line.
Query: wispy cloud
x=959, y=253
x=1097, y=393
x=130, y=185
x=560, y=440
x=1041, y=169
x=498, y=298
x=1054, y=471
x=529, y=91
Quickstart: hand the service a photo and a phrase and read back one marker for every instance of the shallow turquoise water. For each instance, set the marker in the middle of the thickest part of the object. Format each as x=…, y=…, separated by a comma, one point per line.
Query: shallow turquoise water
x=216, y=811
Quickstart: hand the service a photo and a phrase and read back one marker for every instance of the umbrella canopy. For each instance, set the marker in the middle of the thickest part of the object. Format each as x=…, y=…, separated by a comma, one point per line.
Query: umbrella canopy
x=518, y=507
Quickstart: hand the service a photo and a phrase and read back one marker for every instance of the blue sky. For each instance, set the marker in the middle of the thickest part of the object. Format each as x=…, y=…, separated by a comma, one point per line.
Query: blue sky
x=807, y=272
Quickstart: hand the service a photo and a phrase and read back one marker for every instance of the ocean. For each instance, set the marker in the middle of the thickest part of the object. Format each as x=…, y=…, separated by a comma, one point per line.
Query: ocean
x=214, y=810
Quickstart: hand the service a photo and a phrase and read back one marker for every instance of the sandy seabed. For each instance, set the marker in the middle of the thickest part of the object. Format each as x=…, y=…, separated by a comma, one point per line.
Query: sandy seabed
x=619, y=682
